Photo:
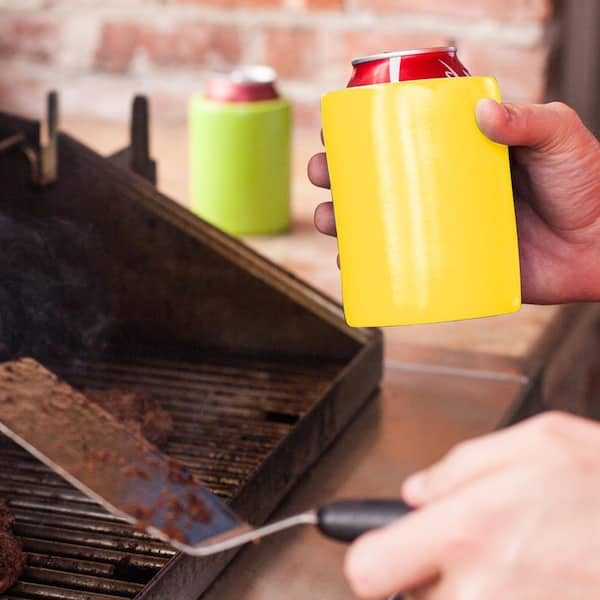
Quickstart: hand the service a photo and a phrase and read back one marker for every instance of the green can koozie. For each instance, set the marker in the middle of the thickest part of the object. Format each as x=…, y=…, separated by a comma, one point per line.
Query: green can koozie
x=240, y=133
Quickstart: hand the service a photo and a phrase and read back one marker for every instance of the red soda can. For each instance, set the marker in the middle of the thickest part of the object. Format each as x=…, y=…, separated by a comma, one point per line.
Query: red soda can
x=253, y=83
x=391, y=67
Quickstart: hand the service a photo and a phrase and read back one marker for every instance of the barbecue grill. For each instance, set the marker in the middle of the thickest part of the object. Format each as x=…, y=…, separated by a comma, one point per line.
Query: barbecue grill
x=258, y=370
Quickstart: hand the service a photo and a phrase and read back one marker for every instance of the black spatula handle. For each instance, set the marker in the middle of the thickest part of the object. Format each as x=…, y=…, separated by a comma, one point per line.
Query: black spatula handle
x=345, y=520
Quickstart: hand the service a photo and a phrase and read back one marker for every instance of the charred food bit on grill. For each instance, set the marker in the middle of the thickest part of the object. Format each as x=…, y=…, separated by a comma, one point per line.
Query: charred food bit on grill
x=12, y=558
x=137, y=411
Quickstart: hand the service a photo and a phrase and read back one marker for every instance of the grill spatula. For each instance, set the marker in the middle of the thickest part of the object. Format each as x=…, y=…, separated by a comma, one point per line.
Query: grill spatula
x=131, y=478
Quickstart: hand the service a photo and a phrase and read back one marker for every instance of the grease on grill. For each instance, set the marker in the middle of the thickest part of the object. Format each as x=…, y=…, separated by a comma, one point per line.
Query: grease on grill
x=189, y=504
x=176, y=534
x=196, y=508
x=135, y=471
x=12, y=558
x=143, y=514
x=178, y=473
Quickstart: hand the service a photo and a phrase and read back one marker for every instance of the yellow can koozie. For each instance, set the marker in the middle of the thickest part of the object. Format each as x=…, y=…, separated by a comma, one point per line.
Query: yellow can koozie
x=423, y=203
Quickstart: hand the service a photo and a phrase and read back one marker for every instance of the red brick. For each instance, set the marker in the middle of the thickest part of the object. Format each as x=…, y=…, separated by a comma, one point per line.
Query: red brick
x=521, y=72
x=329, y=5
x=294, y=52
x=202, y=44
x=232, y=3
x=195, y=44
x=510, y=10
x=34, y=37
x=116, y=47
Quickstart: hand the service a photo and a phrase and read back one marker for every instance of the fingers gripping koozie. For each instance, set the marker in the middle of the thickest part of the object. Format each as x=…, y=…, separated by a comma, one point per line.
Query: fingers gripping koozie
x=423, y=203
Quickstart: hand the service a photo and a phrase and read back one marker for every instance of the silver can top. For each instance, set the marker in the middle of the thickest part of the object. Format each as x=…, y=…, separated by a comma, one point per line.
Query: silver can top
x=382, y=55
x=253, y=74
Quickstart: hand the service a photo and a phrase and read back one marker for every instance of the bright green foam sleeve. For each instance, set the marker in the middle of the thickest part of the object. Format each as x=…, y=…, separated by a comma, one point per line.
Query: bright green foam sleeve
x=240, y=164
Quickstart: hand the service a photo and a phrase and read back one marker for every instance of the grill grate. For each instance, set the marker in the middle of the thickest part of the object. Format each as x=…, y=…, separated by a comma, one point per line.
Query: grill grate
x=229, y=417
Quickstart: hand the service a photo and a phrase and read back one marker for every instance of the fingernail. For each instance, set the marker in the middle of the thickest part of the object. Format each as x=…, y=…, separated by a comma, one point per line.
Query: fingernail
x=481, y=107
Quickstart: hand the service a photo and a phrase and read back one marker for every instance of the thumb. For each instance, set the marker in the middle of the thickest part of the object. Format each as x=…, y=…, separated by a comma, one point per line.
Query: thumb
x=544, y=127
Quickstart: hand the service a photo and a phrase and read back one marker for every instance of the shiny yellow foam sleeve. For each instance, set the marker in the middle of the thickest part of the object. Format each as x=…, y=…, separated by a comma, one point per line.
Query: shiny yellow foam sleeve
x=423, y=203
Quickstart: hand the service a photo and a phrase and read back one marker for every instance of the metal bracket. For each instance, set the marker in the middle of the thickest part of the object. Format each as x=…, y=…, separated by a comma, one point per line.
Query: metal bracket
x=43, y=159
x=48, y=157
x=136, y=156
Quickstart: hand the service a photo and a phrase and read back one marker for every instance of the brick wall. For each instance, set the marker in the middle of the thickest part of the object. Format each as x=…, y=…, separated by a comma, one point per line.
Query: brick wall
x=98, y=53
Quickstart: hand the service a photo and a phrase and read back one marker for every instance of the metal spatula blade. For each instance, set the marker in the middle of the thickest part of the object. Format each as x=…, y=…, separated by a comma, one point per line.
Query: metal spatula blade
x=99, y=456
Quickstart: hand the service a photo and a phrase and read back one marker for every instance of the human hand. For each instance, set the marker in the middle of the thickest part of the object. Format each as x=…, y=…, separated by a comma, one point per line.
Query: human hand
x=555, y=164
x=515, y=514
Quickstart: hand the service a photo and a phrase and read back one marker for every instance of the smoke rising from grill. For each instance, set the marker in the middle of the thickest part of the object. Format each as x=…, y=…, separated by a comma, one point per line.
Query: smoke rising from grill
x=49, y=306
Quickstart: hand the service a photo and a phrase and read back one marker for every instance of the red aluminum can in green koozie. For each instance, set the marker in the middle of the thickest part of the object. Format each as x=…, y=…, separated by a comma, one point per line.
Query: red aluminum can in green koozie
x=240, y=131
